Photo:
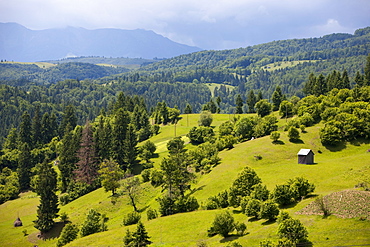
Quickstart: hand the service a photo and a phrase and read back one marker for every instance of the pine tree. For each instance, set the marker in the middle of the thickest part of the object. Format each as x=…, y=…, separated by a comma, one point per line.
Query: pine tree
x=68, y=158
x=239, y=104
x=46, y=187
x=277, y=98
x=87, y=166
x=141, y=237
x=24, y=167
x=103, y=139
x=36, y=127
x=121, y=122
x=130, y=147
x=251, y=101
x=25, y=129
x=345, y=80
x=69, y=120
x=359, y=79
x=367, y=71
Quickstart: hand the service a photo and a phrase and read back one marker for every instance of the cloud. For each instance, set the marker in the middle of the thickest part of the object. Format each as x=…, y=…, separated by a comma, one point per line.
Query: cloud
x=210, y=24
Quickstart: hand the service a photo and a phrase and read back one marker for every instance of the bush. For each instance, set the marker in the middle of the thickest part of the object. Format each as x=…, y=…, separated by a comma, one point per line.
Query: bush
x=95, y=222
x=240, y=228
x=274, y=136
x=205, y=119
x=293, y=230
x=293, y=134
x=223, y=224
x=68, y=234
x=253, y=208
x=156, y=177
x=283, y=195
x=151, y=214
x=269, y=210
x=145, y=174
x=131, y=218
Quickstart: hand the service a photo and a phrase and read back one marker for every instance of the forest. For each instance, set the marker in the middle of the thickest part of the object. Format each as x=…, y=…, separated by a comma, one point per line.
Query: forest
x=75, y=128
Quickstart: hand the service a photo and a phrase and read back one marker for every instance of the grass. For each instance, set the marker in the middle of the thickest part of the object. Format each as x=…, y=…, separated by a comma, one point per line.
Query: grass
x=212, y=86
x=284, y=64
x=43, y=65
x=335, y=170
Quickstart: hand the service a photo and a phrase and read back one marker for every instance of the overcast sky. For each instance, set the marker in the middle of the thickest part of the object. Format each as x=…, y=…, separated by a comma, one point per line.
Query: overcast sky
x=208, y=24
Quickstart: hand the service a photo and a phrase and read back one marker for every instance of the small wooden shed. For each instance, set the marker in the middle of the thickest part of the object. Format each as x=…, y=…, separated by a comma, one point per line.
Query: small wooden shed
x=305, y=156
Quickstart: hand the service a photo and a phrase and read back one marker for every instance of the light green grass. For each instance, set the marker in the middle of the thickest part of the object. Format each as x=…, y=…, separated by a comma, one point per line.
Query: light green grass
x=334, y=171
x=212, y=86
x=284, y=64
x=43, y=65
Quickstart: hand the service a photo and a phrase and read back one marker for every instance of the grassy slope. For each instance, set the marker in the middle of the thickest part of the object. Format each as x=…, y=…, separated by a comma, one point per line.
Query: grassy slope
x=334, y=171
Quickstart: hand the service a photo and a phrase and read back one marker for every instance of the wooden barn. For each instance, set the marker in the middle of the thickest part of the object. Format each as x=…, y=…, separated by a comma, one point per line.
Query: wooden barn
x=305, y=156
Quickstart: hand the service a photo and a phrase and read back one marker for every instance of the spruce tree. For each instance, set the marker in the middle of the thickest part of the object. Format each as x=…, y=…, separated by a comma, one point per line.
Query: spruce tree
x=345, y=80
x=69, y=120
x=121, y=122
x=367, y=71
x=87, y=166
x=46, y=187
x=277, y=98
x=25, y=129
x=24, y=167
x=141, y=237
x=130, y=147
x=251, y=101
x=239, y=104
x=36, y=128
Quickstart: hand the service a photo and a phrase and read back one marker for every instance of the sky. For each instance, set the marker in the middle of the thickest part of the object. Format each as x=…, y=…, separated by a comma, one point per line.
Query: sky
x=208, y=24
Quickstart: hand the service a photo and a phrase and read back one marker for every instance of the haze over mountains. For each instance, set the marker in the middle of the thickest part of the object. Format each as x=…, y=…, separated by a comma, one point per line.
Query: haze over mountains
x=24, y=45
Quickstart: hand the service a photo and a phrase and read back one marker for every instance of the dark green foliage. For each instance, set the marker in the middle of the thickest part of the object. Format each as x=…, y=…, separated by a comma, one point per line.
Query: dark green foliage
x=151, y=214
x=221, y=200
x=286, y=109
x=274, y=136
x=223, y=224
x=94, y=222
x=277, y=98
x=130, y=147
x=205, y=119
x=283, y=195
x=204, y=157
x=120, y=125
x=269, y=210
x=24, y=166
x=68, y=234
x=244, y=128
x=226, y=128
x=260, y=192
x=176, y=145
x=131, y=218
x=169, y=206
x=201, y=134
x=301, y=187
x=263, y=108
x=293, y=134
x=253, y=208
x=293, y=230
x=46, y=188
x=239, y=104
x=25, y=130
x=251, y=101
x=138, y=238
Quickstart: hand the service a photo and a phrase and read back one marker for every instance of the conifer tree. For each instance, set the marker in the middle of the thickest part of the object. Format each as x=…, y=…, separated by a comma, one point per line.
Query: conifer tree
x=69, y=120
x=251, y=101
x=239, y=104
x=87, y=166
x=367, y=71
x=130, y=147
x=46, y=187
x=277, y=98
x=36, y=127
x=345, y=80
x=24, y=166
x=103, y=139
x=25, y=129
x=121, y=122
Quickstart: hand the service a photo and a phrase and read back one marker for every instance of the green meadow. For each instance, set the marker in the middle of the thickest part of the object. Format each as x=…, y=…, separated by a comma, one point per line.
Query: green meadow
x=335, y=169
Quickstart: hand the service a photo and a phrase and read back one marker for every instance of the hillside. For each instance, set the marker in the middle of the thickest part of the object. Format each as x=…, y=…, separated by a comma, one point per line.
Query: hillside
x=334, y=171
x=24, y=45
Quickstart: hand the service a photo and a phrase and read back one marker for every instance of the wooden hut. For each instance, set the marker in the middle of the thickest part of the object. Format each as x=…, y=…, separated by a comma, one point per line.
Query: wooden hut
x=18, y=222
x=305, y=156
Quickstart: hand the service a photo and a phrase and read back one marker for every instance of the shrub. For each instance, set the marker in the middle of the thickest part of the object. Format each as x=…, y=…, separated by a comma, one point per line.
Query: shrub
x=95, y=222
x=293, y=230
x=240, y=228
x=131, y=218
x=223, y=224
x=205, y=119
x=269, y=210
x=145, y=174
x=253, y=208
x=274, y=136
x=68, y=234
x=151, y=214
x=293, y=133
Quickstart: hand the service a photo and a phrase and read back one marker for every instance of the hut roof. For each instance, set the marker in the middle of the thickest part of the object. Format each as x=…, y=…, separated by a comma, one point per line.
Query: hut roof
x=304, y=151
x=18, y=222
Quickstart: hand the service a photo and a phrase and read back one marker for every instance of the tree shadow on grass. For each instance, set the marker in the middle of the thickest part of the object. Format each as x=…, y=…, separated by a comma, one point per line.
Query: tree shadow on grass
x=278, y=142
x=143, y=209
x=253, y=219
x=54, y=232
x=231, y=238
x=268, y=222
x=336, y=148
x=296, y=141
x=192, y=191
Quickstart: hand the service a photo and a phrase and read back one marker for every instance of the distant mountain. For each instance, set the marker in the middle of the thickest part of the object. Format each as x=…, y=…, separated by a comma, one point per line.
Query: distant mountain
x=21, y=44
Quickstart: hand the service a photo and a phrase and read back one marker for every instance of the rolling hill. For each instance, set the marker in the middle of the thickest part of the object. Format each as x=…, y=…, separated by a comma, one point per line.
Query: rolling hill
x=335, y=171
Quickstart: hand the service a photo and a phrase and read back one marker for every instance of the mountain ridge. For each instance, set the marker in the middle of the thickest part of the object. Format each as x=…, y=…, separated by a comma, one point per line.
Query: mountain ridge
x=19, y=43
